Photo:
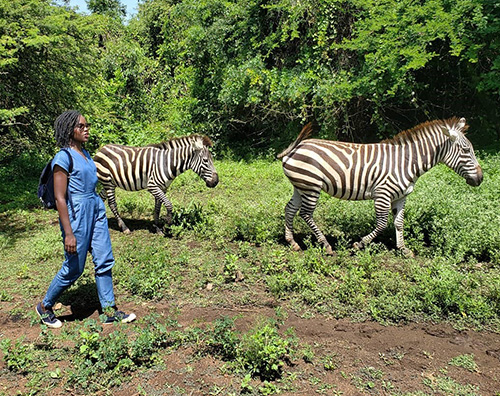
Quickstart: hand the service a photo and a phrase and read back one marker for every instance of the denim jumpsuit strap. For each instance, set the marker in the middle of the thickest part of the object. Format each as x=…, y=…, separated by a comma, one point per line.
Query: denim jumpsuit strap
x=90, y=226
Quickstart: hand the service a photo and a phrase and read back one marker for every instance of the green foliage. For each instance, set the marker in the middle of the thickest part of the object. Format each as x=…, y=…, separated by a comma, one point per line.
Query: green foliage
x=446, y=385
x=113, y=8
x=19, y=356
x=465, y=361
x=329, y=362
x=149, y=271
x=252, y=71
x=247, y=73
x=264, y=352
x=186, y=218
x=223, y=340
x=231, y=267
x=21, y=176
x=47, y=64
x=101, y=360
x=456, y=220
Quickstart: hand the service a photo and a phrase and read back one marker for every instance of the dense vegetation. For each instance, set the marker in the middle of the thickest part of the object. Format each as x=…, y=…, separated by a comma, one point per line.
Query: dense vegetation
x=247, y=73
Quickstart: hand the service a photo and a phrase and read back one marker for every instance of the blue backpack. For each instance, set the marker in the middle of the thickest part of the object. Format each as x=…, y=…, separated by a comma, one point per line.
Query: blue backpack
x=46, y=184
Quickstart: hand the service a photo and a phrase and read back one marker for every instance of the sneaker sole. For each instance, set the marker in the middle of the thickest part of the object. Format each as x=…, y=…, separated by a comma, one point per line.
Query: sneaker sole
x=130, y=318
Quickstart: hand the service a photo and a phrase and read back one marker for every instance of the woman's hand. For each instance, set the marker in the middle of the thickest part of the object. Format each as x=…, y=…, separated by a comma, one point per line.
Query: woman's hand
x=70, y=244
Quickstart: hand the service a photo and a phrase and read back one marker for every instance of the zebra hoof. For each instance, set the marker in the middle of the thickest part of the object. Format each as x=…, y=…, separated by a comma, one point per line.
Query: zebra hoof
x=168, y=219
x=357, y=245
x=407, y=253
x=329, y=251
x=158, y=230
x=126, y=231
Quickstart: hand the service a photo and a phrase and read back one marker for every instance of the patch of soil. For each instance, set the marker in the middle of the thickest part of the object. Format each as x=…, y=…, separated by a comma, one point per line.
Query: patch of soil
x=348, y=358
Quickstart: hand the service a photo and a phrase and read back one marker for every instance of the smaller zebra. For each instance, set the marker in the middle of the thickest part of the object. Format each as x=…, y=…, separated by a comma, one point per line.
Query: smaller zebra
x=385, y=172
x=153, y=168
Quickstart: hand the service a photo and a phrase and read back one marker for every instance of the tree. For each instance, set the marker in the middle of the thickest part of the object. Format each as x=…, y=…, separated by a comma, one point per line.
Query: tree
x=252, y=71
x=111, y=8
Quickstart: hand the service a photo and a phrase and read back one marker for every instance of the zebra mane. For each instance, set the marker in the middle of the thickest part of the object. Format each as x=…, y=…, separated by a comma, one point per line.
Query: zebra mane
x=183, y=141
x=421, y=129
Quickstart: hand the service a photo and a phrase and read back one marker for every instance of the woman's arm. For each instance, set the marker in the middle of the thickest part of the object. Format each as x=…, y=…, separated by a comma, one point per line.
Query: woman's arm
x=60, y=187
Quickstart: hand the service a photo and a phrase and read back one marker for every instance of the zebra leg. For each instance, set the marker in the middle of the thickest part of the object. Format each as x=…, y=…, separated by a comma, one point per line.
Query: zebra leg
x=309, y=201
x=398, y=210
x=157, y=216
x=290, y=211
x=160, y=198
x=382, y=208
x=110, y=192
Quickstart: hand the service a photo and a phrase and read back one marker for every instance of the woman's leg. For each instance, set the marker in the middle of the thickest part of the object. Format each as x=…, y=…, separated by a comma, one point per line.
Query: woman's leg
x=71, y=270
x=102, y=255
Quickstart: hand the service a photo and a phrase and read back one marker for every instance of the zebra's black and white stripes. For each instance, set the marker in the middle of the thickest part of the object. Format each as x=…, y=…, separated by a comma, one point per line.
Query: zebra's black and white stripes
x=385, y=172
x=153, y=167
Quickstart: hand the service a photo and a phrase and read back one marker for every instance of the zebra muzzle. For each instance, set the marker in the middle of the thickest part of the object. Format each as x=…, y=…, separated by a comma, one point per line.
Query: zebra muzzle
x=213, y=181
x=477, y=179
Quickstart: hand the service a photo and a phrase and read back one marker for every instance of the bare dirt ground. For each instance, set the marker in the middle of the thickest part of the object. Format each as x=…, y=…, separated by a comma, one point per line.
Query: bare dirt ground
x=366, y=358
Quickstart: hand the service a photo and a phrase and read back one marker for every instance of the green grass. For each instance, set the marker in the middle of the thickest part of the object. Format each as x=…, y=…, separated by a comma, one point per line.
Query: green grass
x=235, y=231
x=465, y=361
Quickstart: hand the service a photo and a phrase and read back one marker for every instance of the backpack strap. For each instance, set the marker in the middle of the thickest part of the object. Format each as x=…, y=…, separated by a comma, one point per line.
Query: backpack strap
x=70, y=169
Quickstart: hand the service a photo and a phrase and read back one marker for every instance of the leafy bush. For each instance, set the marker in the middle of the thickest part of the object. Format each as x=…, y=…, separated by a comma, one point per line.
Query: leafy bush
x=150, y=276
x=101, y=360
x=222, y=339
x=263, y=352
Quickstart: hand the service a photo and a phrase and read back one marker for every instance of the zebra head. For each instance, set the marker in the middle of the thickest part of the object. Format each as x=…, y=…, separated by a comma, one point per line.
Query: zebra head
x=460, y=154
x=202, y=162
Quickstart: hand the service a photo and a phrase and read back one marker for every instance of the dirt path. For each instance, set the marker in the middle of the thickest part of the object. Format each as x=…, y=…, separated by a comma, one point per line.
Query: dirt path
x=374, y=359
x=348, y=359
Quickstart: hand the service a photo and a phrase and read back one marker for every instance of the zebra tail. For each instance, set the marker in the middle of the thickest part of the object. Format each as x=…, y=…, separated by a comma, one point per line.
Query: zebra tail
x=304, y=134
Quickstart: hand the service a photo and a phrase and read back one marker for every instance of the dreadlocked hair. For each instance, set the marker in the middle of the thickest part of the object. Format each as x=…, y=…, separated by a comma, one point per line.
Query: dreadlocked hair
x=64, y=127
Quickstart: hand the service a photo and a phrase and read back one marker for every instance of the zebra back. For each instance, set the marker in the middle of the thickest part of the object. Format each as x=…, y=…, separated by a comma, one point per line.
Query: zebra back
x=183, y=141
x=125, y=166
x=452, y=126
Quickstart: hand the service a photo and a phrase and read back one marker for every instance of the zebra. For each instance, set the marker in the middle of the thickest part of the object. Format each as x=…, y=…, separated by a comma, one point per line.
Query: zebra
x=153, y=167
x=384, y=172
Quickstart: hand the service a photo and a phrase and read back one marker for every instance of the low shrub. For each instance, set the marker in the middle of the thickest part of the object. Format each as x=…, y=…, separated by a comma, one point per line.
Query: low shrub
x=263, y=352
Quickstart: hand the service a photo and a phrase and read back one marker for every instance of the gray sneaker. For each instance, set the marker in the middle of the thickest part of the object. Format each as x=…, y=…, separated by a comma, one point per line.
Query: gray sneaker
x=48, y=317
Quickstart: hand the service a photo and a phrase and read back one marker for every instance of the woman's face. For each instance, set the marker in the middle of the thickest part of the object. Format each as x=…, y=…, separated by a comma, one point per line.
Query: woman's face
x=81, y=131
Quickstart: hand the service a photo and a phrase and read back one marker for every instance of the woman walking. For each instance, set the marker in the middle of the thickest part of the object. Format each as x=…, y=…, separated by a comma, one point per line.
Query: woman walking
x=83, y=221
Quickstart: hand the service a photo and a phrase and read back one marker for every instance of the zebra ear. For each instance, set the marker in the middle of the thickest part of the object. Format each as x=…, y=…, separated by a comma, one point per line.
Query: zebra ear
x=461, y=124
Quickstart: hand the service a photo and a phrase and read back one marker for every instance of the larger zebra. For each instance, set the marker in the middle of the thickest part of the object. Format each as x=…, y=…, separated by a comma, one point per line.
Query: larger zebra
x=385, y=172
x=153, y=167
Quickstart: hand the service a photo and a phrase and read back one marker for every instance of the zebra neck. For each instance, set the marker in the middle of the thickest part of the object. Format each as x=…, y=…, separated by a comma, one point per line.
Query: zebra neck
x=177, y=160
x=423, y=153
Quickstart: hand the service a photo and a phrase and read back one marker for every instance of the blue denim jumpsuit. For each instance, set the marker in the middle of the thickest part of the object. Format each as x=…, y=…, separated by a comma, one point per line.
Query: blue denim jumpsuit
x=89, y=223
